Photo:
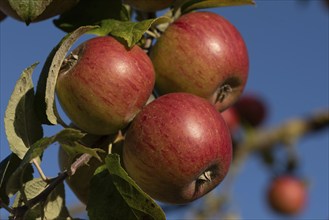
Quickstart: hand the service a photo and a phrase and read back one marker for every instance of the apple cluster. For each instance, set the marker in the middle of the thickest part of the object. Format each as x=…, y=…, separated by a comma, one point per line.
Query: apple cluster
x=177, y=147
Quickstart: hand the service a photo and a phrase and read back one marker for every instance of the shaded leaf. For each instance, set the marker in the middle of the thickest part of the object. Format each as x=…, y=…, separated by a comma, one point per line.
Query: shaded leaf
x=29, y=190
x=26, y=192
x=76, y=148
x=114, y=195
x=22, y=125
x=88, y=12
x=55, y=207
x=45, y=94
x=14, y=183
x=28, y=10
x=68, y=134
x=131, y=32
x=7, y=167
x=191, y=5
x=52, y=208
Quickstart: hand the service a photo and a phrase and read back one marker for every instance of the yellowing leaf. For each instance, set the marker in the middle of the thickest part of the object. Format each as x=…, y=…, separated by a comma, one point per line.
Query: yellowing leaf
x=45, y=94
x=22, y=125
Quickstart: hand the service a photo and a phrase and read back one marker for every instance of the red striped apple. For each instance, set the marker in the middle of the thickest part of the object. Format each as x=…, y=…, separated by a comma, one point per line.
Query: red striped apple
x=103, y=85
x=204, y=54
x=178, y=148
x=231, y=118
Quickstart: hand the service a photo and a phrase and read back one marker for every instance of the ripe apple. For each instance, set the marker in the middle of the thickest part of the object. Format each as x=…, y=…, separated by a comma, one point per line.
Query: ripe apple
x=204, y=54
x=251, y=109
x=103, y=85
x=178, y=148
x=55, y=7
x=287, y=195
x=231, y=118
x=149, y=5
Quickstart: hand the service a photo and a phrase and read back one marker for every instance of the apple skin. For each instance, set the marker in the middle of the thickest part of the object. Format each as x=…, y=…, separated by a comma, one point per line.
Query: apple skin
x=56, y=7
x=199, y=53
x=105, y=85
x=231, y=118
x=149, y=5
x=287, y=195
x=251, y=109
x=172, y=142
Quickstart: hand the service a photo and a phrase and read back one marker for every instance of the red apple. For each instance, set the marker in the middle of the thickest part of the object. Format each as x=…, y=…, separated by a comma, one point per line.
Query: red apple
x=54, y=8
x=178, y=148
x=231, y=118
x=149, y=5
x=204, y=54
x=287, y=195
x=103, y=85
x=251, y=109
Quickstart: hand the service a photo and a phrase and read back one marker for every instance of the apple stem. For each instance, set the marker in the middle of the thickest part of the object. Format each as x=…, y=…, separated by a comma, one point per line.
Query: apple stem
x=223, y=91
x=40, y=171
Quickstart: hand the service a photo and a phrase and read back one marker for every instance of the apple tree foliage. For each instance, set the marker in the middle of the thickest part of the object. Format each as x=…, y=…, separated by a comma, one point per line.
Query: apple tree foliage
x=113, y=194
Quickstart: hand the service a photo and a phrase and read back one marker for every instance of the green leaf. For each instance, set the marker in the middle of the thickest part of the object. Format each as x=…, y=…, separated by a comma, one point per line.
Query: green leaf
x=114, y=195
x=14, y=183
x=191, y=5
x=88, y=12
x=7, y=167
x=55, y=207
x=75, y=148
x=52, y=208
x=22, y=125
x=45, y=94
x=66, y=135
x=28, y=191
x=29, y=10
x=131, y=32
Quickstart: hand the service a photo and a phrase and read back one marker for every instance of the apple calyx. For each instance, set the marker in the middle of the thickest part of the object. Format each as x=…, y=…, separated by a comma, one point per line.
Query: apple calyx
x=223, y=92
x=205, y=176
x=70, y=61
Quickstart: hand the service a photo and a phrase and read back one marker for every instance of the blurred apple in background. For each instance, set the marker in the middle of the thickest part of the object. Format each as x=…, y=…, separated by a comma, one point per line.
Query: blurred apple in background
x=287, y=195
x=252, y=109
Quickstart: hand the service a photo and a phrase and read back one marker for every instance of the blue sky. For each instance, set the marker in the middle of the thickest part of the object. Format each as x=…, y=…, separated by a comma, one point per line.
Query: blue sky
x=288, y=47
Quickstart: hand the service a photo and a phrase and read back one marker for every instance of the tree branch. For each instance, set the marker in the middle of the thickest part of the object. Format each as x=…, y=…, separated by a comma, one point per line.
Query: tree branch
x=19, y=212
x=287, y=133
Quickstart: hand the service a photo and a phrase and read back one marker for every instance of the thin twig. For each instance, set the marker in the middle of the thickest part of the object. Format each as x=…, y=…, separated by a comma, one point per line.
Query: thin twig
x=19, y=212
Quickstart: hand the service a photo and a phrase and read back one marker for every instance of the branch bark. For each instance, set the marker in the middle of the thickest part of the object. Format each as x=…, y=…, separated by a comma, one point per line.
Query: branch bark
x=286, y=133
x=19, y=212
